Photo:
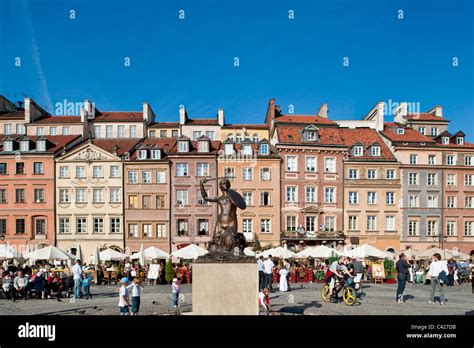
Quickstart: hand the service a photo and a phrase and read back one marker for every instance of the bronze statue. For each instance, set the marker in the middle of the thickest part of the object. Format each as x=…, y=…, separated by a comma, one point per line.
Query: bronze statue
x=227, y=243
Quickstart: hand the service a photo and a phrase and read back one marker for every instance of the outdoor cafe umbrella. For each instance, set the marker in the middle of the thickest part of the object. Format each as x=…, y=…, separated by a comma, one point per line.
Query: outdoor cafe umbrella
x=249, y=252
x=7, y=252
x=364, y=251
x=319, y=252
x=152, y=253
x=280, y=252
x=428, y=254
x=192, y=251
x=48, y=253
x=111, y=255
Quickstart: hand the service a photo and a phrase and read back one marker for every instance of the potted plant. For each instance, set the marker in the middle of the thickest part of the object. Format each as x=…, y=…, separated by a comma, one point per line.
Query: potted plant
x=169, y=271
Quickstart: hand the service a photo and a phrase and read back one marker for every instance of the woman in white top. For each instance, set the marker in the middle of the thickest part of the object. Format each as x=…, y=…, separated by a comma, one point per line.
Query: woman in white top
x=283, y=279
x=436, y=267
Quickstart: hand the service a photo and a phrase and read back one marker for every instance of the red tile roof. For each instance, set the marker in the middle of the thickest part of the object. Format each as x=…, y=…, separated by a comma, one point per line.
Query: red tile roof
x=202, y=121
x=193, y=149
x=410, y=136
x=366, y=137
x=119, y=116
x=16, y=115
x=305, y=119
x=292, y=135
x=255, y=148
x=56, y=142
x=164, y=125
x=424, y=116
x=125, y=145
x=58, y=119
x=165, y=144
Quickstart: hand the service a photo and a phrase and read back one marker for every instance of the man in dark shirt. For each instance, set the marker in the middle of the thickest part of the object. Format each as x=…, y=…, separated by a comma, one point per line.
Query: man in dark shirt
x=402, y=267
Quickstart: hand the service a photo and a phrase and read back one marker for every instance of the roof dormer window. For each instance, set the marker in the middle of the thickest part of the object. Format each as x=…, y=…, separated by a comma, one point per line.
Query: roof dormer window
x=238, y=138
x=375, y=150
x=229, y=149
x=230, y=136
x=25, y=145
x=264, y=149
x=156, y=154
x=142, y=155
x=247, y=150
x=400, y=130
x=445, y=140
x=256, y=138
x=460, y=140
x=203, y=146
x=183, y=146
x=311, y=136
x=358, y=150
x=41, y=145
x=8, y=145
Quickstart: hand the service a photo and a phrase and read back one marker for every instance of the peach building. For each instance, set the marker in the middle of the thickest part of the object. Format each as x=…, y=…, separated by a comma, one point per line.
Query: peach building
x=147, y=195
x=12, y=117
x=254, y=171
x=27, y=188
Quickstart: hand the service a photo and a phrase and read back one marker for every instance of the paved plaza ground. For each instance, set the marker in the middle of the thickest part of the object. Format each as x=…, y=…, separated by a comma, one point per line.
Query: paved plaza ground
x=305, y=299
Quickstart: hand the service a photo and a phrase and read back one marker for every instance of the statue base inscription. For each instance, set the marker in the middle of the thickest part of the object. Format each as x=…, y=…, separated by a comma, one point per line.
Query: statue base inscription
x=225, y=288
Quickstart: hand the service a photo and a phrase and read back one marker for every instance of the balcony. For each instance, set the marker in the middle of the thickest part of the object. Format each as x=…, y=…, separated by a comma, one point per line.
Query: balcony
x=321, y=235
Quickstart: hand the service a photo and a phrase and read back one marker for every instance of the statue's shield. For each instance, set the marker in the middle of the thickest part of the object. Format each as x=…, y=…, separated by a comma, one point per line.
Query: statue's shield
x=237, y=199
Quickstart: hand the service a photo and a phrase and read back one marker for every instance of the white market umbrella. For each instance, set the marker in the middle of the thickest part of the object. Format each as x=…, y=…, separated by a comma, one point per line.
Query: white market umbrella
x=141, y=255
x=111, y=255
x=280, y=252
x=192, y=251
x=48, y=253
x=427, y=254
x=8, y=252
x=249, y=252
x=319, y=252
x=410, y=253
x=364, y=251
x=152, y=253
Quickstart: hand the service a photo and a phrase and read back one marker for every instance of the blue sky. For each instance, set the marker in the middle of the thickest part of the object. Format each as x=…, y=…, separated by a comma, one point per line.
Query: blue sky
x=191, y=62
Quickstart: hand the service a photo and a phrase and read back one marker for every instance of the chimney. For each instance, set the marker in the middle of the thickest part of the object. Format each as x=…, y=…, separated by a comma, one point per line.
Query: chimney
x=83, y=116
x=32, y=111
x=323, y=110
x=400, y=112
x=90, y=109
x=220, y=117
x=183, y=115
x=270, y=111
x=148, y=114
x=437, y=111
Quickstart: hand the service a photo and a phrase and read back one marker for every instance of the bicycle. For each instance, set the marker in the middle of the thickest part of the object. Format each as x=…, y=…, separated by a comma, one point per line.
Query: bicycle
x=346, y=284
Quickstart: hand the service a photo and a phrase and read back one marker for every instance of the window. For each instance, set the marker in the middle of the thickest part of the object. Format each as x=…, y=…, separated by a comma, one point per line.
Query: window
x=432, y=201
x=229, y=173
x=371, y=222
x=3, y=168
x=358, y=151
x=375, y=151
x=329, y=223
x=203, y=227
x=25, y=145
x=160, y=177
x=432, y=179
x=413, y=201
x=310, y=164
x=291, y=194
x=132, y=177
x=469, y=202
x=265, y=174
x=196, y=135
x=182, y=227
x=97, y=131
x=38, y=168
x=412, y=228
x=451, y=201
x=3, y=196
x=390, y=197
x=163, y=133
x=8, y=145
x=109, y=131
x=20, y=168
x=40, y=226
x=114, y=172
x=38, y=195
x=353, y=198
x=20, y=226
x=133, y=202
x=371, y=197
x=265, y=226
x=66, y=131
x=291, y=163
x=142, y=154
x=311, y=136
x=203, y=169
x=371, y=174
x=432, y=160
x=413, y=178
x=390, y=223
x=81, y=225
x=98, y=195
x=133, y=131
x=182, y=197
x=352, y=222
x=133, y=230
x=400, y=131
x=203, y=146
x=121, y=131
x=174, y=133
x=422, y=130
x=265, y=198
x=229, y=149
x=39, y=131
x=80, y=172
x=256, y=138
x=248, y=197
x=451, y=180
x=469, y=228
x=247, y=226
x=246, y=150
x=451, y=228
x=152, y=133
x=8, y=129
x=64, y=226
x=146, y=202
x=115, y=196
x=390, y=174
x=64, y=172
x=156, y=154
x=63, y=196
x=53, y=130
x=353, y=174
x=311, y=223
x=146, y=177
x=413, y=159
x=310, y=194
x=238, y=138
x=183, y=146
x=160, y=230
x=114, y=225
x=329, y=195
x=247, y=174
x=97, y=172
x=147, y=230
x=469, y=179
x=451, y=160
x=20, y=195
x=291, y=223
x=434, y=131
x=330, y=165
x=98, y=225
x=460, y=140
x=469, y=160
x=432, y=228
x=20, y=128
x=181, y=169
x=445, y=140
x=160, y=202
x=264, y=149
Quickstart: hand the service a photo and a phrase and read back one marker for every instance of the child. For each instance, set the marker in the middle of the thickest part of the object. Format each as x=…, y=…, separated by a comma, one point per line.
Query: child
x=86, y=284
x=136, y=291
x=175, y=292
x=123, y=297
x=264, y=299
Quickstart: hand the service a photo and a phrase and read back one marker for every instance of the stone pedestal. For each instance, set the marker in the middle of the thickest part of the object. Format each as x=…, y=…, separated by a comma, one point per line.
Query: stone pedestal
x=225, y=289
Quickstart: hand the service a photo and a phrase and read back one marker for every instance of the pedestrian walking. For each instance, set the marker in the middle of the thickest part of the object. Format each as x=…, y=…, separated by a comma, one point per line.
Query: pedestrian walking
x=261, y=273
x=175, y=292
x=136, y=288
x=439, y=275
x=123, y=297
x=403, y=273
x=77, y=276
x=268, y=266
